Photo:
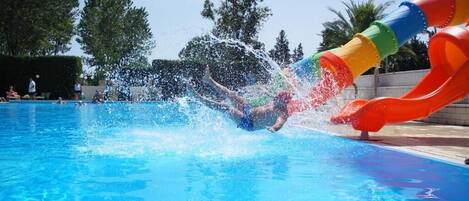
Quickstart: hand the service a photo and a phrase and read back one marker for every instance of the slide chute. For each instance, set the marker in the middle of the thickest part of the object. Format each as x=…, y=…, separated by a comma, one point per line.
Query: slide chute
x=447, y=82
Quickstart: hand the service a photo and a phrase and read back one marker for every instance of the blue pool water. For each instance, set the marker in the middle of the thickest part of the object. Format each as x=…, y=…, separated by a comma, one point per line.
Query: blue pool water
x=183, y=152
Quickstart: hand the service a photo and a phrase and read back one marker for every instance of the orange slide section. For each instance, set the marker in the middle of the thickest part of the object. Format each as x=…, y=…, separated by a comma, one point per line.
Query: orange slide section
x=447, y=82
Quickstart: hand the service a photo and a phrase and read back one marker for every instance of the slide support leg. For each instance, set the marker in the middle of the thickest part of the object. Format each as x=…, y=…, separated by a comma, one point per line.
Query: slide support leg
x=364, y=135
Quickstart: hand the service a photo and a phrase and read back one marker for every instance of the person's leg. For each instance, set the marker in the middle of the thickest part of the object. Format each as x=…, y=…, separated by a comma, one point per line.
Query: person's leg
x=232, y=95
x=233, y=112
x=221, y=107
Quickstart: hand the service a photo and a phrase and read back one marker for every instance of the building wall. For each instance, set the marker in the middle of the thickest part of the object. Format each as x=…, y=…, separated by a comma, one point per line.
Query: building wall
x=89, y=91
x=399, y=83
x=136, y=92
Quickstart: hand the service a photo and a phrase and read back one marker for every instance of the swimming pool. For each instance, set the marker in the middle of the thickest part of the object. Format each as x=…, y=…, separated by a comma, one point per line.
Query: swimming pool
x=168, y=151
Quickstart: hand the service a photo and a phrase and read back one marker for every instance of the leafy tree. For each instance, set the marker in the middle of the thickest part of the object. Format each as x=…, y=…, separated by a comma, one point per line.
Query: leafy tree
x=233, y=39
x=237, y=19
x=358, y=16
x=115, y=34
x=30, y=27
x=298, y=53
x=413, y=56
x=207, y=12
x=281, y=51
x=226, y=57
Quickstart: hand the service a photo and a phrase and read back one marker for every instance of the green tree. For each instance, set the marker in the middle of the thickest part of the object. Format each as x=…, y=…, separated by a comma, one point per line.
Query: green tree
x=358, y=16
x=239, y=20
x=233, y=39
x=281, y=51
x=298, y=53
x=200, y=48
x=207, y=11
x=31, y=27
x=116, y=34
x=413, y=56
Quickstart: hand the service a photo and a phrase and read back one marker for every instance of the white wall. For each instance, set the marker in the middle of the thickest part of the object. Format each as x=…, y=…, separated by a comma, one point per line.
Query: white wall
x=89, y=91
x=399, y=83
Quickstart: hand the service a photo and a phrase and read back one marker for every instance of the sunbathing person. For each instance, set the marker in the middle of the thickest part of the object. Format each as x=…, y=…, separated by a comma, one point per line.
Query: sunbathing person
x=12, y=94
x=271, y=116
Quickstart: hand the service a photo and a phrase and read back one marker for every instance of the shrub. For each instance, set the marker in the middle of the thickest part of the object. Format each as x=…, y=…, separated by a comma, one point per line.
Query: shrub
x=57, y=74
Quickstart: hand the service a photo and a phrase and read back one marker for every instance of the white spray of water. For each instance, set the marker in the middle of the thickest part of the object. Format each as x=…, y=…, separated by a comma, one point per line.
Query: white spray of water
x=208, y=134
x=315, y=117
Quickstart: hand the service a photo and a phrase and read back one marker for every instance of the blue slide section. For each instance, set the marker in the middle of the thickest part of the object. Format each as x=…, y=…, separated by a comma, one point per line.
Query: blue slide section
x=407, y=21
x=304, y=69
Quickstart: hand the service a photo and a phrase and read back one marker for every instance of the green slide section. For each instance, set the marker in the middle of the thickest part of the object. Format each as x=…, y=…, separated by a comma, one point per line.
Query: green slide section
x=315, y=61
x=383, y=37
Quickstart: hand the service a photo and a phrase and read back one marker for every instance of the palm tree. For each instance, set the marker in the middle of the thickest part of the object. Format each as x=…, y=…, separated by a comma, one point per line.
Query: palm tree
x=358, y=16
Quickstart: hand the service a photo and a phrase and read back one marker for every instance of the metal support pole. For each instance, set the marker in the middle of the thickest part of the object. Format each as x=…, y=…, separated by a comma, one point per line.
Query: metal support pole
x=364, y=135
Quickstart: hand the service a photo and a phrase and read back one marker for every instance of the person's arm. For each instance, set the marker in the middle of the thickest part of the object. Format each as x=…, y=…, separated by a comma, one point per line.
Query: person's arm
x=281, y=120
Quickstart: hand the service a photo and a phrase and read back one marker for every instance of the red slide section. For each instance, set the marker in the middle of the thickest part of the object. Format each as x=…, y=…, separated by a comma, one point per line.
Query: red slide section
x=447, y=82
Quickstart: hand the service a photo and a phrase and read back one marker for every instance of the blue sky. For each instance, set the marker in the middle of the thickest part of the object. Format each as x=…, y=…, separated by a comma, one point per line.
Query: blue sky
x=174, y=22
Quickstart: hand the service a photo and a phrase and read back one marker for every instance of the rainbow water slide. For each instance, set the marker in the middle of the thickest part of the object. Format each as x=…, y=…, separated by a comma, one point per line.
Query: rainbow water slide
x=447, y=82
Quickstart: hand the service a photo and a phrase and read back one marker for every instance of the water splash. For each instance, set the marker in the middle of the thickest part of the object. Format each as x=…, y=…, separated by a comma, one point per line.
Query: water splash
x=121, y=84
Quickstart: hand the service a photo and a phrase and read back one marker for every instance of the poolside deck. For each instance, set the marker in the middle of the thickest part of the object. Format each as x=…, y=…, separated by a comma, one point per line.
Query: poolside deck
x=445, y=142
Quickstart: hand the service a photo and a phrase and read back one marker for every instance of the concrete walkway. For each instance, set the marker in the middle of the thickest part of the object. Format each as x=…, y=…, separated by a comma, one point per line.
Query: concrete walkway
x=449, y=143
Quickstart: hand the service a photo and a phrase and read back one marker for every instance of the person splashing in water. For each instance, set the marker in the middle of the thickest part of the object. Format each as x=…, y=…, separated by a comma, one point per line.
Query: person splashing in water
x=271, y=116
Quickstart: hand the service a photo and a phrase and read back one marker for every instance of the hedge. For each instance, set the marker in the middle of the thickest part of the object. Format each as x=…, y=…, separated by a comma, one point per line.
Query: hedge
x=57, y=74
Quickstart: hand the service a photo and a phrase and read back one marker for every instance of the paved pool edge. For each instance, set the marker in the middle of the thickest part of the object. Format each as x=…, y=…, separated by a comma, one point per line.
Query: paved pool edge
x=455, y=156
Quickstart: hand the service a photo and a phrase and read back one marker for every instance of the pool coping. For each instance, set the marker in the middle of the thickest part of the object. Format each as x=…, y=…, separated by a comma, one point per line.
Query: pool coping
x=408, y=150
